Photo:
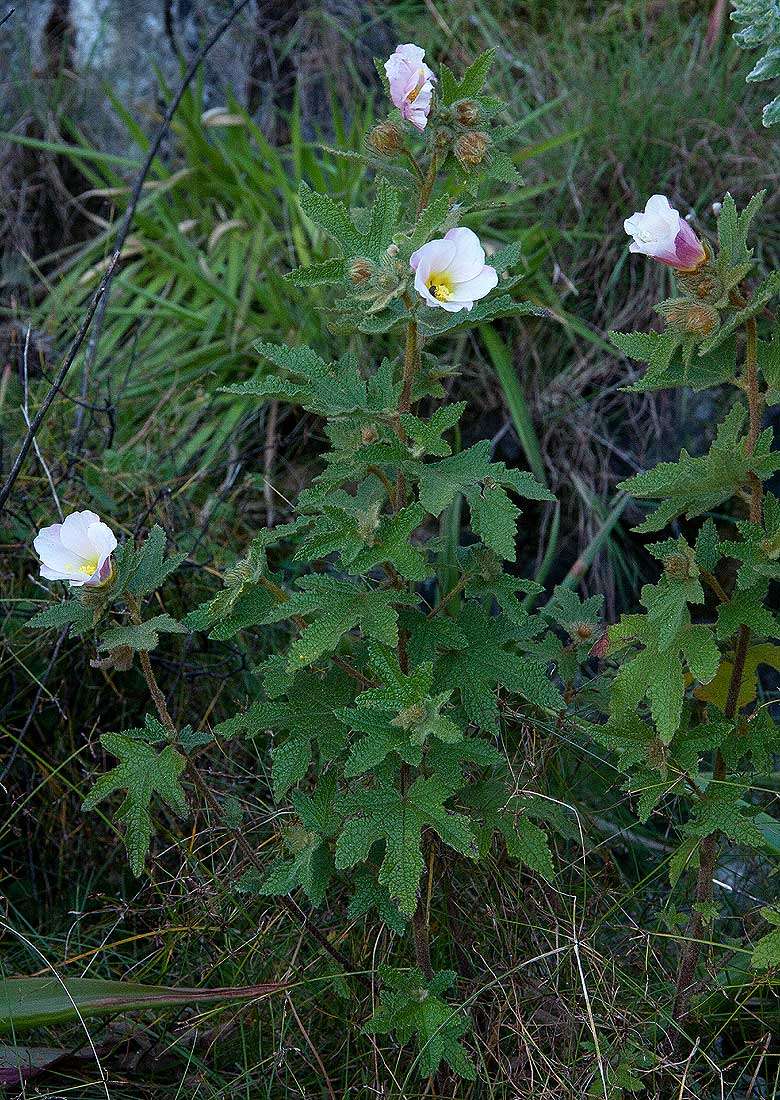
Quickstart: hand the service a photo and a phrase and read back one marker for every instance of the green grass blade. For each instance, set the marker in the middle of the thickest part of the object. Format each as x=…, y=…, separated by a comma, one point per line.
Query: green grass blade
x=587, y=557
x=32, y=1002
x=515, y=399
x=69, y=150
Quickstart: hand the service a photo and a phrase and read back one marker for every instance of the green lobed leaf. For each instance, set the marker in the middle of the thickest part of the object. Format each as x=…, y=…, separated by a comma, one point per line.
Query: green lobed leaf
x=71, y=612
x=733, y=228
x=692, y=486
x=413, y=1008
x=437, y=322
x=143, y=773
x=151, y=565
x=383, y=814
x=141, y=636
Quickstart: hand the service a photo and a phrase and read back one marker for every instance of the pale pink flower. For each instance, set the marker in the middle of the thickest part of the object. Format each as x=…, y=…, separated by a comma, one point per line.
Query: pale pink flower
x=662, y=234
x=451, y=273
x=411, y=84
x=78, y=550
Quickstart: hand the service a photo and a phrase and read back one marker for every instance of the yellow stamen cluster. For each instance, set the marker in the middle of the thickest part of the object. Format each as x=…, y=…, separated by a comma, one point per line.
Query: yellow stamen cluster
x=440, y=286
x=418, y=87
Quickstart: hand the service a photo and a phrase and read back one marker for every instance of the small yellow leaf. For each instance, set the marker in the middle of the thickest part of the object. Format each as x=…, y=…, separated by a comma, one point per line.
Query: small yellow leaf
x=716, y=692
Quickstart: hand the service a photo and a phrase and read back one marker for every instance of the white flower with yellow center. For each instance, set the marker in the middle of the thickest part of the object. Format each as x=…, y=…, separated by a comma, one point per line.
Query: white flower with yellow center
x=451, y=273
x=78, y=550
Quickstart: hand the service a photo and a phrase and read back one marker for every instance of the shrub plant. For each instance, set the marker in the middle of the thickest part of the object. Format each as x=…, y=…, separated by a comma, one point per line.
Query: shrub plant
x=383, y=709
x=413, y=646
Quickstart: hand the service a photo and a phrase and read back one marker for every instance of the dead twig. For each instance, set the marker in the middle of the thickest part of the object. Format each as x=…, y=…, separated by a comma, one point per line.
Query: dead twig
x=26, y=415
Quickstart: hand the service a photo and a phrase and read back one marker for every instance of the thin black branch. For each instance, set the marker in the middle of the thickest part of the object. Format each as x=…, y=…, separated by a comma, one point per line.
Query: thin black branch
x=7, y=16
x=124, y=228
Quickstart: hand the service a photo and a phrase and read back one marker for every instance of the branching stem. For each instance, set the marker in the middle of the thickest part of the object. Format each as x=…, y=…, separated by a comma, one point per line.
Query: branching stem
x=709, y=848
x=420, y=929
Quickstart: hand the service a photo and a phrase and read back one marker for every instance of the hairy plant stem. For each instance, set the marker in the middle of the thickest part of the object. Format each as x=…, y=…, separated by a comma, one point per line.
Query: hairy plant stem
x=710, y=845
x=428, y=182
x=197, y=780
x=420, y=929
x=422, y=941
x=411, y=366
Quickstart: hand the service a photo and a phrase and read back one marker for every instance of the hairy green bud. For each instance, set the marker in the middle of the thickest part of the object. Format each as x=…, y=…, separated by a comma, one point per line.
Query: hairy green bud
x=361, y=270
x=386, y=139
x=470, y=148
x=692, y=318
x=465, y=112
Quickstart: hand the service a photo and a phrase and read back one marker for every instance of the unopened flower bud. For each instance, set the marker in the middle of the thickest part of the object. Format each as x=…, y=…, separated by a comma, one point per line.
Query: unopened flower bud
x=361, y=270
x=443, y=137
x=470, y=148
x=677, y=567
x=409, y=717
x=465, y=112
x=583, y=632
x=367, y=524
x=392, y=251
x=661, y=233
x=120, y=658
x=368, y=434
x=771, y=547
x=657, y=754
x=693, y=318
x=387, y=139
x=703, y=282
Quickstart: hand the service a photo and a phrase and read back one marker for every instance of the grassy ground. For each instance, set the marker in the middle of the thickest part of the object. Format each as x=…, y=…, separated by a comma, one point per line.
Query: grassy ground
x=569, y=983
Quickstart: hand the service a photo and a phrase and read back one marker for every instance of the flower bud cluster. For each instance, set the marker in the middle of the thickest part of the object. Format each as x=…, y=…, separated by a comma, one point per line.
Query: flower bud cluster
x=378, y=283
x=691, y=318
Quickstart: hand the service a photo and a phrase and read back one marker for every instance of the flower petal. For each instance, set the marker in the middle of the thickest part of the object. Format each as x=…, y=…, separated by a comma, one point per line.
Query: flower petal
x=688, y=248
x=53, y=554
x=420, y=285
x=412, y=54
x=469, y=258
x=453, y=306
x=433, y=256
x=418, y=111
x=474, y=289
x=74, y=534
x=102, y=538
x=47, y=536
x=50, y=574
x=659, y=205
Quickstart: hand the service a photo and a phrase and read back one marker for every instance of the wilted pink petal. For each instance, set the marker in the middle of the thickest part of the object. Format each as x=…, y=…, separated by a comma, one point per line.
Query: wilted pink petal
x=661, y=233
x=411, y=83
